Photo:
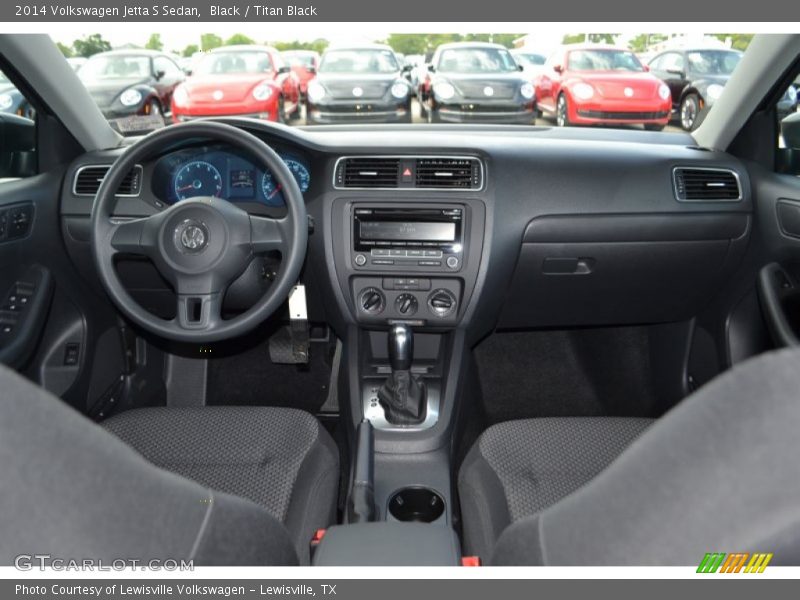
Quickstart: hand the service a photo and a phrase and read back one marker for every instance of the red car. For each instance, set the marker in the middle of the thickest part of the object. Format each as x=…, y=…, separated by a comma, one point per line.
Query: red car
x=589, y=85
x=304, y=65
x=244, y=81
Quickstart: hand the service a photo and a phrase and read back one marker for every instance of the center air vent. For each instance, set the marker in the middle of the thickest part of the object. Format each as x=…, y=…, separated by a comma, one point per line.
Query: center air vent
x=88, y=180
x=706, y=185
x=409, y=172
x=368, y=173
x=456, y=173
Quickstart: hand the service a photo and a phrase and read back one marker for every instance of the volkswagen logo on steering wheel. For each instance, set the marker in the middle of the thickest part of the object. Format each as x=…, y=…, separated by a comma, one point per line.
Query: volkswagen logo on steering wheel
x=191, y=237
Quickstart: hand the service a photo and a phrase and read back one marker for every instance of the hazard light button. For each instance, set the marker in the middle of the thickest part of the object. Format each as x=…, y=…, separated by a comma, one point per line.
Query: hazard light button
x=407, y=172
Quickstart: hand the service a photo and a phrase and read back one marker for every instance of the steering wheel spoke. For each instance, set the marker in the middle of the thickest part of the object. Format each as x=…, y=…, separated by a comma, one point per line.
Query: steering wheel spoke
x=268, y=234
x=131, y=237
x=199, y=306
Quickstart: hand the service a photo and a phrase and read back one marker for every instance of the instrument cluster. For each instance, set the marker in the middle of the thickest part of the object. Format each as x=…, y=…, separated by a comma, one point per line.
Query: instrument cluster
x=219, y=172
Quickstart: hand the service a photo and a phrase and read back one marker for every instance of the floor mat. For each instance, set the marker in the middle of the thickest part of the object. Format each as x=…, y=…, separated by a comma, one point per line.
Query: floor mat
x=251, y=378
x=579, y=372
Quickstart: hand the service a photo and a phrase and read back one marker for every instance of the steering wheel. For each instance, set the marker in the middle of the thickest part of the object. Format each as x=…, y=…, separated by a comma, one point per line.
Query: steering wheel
x=200, y=245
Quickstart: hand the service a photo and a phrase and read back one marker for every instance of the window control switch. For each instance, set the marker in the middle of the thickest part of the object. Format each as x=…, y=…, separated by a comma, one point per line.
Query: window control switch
x=72, y=353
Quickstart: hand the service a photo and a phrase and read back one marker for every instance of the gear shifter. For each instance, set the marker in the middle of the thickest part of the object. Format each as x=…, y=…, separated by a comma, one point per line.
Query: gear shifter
x=402, y=396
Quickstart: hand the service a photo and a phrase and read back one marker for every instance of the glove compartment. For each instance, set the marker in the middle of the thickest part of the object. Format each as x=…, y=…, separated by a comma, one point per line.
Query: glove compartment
x=578, y=270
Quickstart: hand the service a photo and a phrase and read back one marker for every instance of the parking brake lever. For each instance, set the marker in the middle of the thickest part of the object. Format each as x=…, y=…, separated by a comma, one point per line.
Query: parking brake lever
x=361, y=504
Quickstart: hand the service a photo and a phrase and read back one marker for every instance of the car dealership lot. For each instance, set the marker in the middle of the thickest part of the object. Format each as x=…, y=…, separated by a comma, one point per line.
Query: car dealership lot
x=417, y=119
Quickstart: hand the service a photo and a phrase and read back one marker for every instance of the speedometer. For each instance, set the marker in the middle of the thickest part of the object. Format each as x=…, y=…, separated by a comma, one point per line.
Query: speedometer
x=197, y=178
x=270, y=186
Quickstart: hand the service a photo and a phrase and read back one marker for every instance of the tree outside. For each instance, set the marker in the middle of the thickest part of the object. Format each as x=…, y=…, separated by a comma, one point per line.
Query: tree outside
x=643, y=41
x=90, y=45
x=209, y=41
x=238, y=39
x=154, y=42
x=190, y=50
x=426, y=43
x=318, y=45
x=739, y=41
x=67, y=51
x=590, y=38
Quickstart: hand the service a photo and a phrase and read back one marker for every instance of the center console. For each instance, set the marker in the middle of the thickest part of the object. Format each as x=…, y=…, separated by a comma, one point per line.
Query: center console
x=406, y=266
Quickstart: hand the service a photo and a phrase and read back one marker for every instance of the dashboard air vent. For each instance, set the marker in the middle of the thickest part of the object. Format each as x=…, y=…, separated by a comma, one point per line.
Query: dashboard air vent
x=88, y=180
x=458, y=173
x=368, y=173
x=706, y=185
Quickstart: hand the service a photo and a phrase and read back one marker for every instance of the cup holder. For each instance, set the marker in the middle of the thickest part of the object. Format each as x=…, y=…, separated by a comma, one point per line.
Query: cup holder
x=416, y=504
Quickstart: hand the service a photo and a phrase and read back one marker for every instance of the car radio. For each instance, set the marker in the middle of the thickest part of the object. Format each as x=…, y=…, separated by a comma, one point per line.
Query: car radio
x=426, y=239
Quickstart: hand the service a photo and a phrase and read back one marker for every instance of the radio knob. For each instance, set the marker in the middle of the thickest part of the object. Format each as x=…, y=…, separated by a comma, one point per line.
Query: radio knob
x=360, y=260
x=371, y=301
x=452, y=262
x=406, y=304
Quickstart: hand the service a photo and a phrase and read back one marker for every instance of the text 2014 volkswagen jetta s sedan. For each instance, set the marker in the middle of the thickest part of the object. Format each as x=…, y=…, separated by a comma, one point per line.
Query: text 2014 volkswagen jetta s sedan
x=239, y=343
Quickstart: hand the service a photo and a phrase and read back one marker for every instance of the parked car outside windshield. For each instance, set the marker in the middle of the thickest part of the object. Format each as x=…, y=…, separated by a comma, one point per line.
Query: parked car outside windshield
x=245, y=81
x=696, y=78
x=601, y=86
x=470, y=82
x=131, y=83
x=359, y=85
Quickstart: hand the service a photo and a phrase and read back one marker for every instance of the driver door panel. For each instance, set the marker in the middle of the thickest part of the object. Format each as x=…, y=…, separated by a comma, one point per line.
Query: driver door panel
x=55, y=320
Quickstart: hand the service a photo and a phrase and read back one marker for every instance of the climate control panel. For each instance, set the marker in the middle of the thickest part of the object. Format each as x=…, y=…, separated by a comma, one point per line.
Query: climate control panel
x=421, y=301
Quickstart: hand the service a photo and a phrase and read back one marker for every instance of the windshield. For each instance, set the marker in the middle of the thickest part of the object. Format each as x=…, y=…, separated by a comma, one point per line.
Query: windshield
x=359, y=61
x=603, y=60
x=476, y=60
x=531, y=60
x=228, y=63
x=118, y=66
x=392, y=76
x=713, y=62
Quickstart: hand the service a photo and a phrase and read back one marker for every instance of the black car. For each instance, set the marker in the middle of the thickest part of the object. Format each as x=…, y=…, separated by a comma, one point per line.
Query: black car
x=125, y=83
x=477, y=82
x=359, y=84
x=696, y=78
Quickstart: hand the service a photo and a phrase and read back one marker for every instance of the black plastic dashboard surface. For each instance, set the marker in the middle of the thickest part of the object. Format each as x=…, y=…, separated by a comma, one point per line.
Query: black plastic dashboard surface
x=577, y=194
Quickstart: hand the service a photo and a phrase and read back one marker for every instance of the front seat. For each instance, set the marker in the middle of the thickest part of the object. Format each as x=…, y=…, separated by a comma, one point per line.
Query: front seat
x=719, y=472
x=217, y=485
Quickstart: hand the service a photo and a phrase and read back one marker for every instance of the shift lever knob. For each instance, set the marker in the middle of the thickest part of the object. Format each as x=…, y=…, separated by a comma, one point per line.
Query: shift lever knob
x=401, y=347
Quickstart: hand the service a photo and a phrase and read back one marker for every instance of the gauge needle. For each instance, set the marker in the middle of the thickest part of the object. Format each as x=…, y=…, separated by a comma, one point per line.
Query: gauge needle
x=186, y=187
x=275, y=191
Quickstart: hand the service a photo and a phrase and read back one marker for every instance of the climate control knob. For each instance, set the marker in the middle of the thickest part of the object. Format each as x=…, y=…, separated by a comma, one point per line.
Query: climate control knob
x=406, y=304
x=442, y=302
x=371, y=300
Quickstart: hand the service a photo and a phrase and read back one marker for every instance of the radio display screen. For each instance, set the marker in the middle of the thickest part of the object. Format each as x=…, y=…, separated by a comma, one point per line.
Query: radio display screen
x=408, y=230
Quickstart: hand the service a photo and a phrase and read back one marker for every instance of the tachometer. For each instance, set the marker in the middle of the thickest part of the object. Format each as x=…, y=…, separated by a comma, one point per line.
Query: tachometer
x=271, y=188
x=197, y=178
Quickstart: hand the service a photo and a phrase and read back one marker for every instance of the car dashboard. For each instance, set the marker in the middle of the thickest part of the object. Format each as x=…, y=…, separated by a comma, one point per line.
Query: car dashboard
x=559, y=228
